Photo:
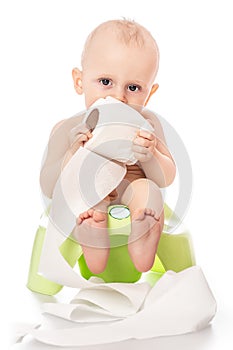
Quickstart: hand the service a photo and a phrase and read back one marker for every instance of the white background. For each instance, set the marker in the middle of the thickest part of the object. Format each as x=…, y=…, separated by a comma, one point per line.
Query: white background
x=41, y=41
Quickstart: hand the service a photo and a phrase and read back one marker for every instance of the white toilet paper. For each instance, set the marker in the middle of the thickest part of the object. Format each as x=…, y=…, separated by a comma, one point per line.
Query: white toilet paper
x=179, y=303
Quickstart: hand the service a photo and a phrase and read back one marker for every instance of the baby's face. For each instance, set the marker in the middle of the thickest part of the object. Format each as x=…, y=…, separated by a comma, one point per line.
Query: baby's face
x=113, y=69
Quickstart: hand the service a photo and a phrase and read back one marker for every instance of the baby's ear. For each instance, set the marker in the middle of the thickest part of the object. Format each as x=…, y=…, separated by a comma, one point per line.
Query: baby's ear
x=152, y=91
x=77, y=78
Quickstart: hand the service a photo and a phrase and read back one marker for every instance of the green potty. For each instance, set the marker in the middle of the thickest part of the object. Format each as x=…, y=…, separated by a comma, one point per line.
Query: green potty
x=174, y=253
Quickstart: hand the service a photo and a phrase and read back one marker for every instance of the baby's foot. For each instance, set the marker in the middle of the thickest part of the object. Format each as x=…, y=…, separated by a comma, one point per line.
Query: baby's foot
x=142, y=221
x=146, y=229
x=92, y=234
x=94, y=217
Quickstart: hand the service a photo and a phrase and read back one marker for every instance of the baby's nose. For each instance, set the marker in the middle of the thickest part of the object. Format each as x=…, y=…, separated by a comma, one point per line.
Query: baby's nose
x=120, y=96
x=122, y=99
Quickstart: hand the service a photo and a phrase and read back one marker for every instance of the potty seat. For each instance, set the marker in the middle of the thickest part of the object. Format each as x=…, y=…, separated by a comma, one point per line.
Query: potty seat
x=175, y=252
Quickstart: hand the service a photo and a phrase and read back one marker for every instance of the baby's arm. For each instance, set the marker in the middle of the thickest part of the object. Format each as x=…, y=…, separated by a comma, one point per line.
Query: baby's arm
x=52, y=163
x=61, y=147
x=153, y=154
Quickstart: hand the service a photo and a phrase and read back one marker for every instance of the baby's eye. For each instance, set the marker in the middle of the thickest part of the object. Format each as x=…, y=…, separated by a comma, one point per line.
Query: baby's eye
x=106, y=82
x=134, y=88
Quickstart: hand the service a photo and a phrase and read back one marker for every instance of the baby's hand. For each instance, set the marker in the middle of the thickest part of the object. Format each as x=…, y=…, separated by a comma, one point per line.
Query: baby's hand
x=79, y=135
x=143, y=145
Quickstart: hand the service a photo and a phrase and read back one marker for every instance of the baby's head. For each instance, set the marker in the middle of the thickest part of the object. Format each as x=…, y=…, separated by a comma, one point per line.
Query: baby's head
x=120, y=59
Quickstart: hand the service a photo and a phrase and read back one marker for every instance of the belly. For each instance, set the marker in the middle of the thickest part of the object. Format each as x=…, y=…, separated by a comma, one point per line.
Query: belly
x=134, y=172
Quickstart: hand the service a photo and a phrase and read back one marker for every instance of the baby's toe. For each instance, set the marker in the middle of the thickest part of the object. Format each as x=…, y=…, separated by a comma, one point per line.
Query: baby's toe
x=90, y=212
x=99, y=216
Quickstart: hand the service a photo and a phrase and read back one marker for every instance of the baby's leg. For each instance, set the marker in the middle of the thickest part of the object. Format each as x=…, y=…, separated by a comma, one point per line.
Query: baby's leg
x=144, y=199
x=92, y=234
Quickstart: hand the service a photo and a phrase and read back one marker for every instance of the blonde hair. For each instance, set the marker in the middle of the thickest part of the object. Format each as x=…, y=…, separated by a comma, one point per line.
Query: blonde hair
x=128, y=31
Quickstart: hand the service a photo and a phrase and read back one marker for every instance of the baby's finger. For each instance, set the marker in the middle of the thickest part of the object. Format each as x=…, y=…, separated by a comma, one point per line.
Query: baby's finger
x=79, y=129
x=79, y=141
x=139, y=149
x=89, y=135
x=146, y=134
x=142, y=142
x=141, y=157
x=82, y=138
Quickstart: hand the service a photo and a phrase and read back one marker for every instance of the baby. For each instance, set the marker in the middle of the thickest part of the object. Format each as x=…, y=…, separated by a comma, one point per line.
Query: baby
x=120, y=59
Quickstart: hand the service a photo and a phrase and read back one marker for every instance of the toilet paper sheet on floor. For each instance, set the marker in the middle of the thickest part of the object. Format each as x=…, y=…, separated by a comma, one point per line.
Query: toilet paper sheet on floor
x=179, y=303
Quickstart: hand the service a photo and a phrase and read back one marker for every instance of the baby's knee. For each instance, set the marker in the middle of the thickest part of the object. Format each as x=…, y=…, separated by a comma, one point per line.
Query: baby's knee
x=143, y=193
x=144, y=184
x=142, y=187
